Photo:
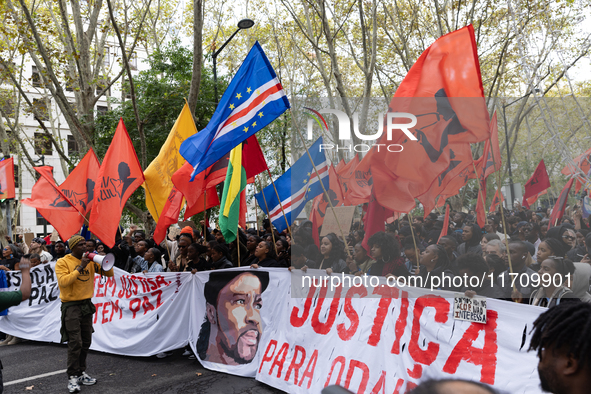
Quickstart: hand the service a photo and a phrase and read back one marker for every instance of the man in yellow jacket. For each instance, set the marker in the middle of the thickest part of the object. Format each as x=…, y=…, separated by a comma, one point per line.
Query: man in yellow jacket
x=75, y=276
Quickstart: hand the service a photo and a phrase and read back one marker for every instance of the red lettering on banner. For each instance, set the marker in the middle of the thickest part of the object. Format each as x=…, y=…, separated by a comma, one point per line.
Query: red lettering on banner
x=341, y=360
x=116, y=308
x=485, y=357
x=147, y=305
x=97, y=306
x=416, y=372
x=158, y=294
x=122, y=291
x=160, y=281
x=378, y=322
x=346, y=334
x=153, y=285
x=400, y=325
x=144, y=283
x=279, y=360
x=99, y=286
x=399, y=384
x=105, y=312
x=441, y=307
x=266, y=356
x=298, y=321
x=135, y=309
x=309, y=372
x=380, y=385
x=296, y=365
x=363, y=367
x=410, y=386
x=324, y=328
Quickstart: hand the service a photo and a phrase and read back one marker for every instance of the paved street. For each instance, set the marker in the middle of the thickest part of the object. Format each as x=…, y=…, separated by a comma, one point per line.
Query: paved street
x=115, y=374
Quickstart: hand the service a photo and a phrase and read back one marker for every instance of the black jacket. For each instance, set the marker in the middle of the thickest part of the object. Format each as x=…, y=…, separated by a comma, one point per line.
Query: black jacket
x=222, y=264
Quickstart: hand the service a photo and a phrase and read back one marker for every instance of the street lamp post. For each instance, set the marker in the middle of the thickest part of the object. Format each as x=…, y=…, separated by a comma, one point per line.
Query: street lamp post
x=242, y=25
x=42, y=160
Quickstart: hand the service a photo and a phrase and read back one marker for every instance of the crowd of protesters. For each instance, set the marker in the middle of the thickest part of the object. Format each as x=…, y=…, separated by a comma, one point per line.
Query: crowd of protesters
x=409, y=246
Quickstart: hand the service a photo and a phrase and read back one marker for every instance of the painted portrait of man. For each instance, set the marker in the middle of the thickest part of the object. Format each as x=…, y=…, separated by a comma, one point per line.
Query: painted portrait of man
x=232, y=328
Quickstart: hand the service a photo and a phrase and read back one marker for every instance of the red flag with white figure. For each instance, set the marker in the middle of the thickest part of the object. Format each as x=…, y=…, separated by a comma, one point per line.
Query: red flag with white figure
x=53, y=206
x=119, y=176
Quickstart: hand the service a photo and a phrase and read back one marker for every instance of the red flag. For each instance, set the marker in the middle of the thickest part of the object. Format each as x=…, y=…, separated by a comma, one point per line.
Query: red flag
x=454, y=176
x=345, y=173
x=560, y=206
x=243, y=209
x=52, y=205
x=375, y=220
x=79, y=186
x=253, y=163
x=335, y=194
x=315, y=226
x=538, y=182
x=206, y=200
x=498, y=198
x=119, y=176
x=204, y=180
x=253, y=159
x=444, y=90
x=445, y=224
x=7, y=178
x=582, y=161
x=533, y=199
x=360, y=182
x=170, y=214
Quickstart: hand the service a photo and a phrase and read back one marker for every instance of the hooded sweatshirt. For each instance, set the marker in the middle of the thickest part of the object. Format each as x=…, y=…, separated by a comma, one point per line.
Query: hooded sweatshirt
x=473, y=244
x=580, y=285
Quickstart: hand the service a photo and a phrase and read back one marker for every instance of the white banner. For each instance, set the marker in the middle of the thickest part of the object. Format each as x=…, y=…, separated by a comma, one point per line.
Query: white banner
x=245, y=322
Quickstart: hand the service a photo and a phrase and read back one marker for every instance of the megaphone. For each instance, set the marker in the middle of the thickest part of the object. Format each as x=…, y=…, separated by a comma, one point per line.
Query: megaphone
x=106, y=262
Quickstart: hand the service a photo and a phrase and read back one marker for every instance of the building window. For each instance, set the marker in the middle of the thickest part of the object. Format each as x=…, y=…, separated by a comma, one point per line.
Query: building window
x=36, y=77
x=69, y=85
x=133, y=61
x=106, y=57
x=101, y=87
x=102, y=110
x=40, y=219
x=41, y=109
x=72, y=145
x=43, y=145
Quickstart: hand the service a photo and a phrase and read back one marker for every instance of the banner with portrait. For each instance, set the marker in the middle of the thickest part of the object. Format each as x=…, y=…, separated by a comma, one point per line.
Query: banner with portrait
x=294, y=331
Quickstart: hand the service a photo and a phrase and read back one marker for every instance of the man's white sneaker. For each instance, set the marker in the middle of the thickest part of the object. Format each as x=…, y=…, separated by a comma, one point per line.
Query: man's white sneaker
x=164, y=354
x=73, y=386
x=187, y=353
x=86, y=380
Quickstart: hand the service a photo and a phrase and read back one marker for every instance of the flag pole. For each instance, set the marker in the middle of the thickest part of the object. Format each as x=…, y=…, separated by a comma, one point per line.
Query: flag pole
x=414, y=241
x=280, y=204
x=482, y=198
x=158, y=218
x=498, y=171
x=268, y=215
x=321, y=184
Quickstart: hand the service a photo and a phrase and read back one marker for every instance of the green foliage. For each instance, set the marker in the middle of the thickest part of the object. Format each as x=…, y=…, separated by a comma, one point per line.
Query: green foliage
x=160, y=95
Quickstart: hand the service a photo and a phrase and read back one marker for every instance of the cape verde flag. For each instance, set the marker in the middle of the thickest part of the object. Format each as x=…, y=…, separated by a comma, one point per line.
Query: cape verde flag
x=253, y=99
x=298, y=185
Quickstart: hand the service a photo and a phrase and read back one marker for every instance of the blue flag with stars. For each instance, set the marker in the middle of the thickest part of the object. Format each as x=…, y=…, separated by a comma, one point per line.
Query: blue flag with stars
x=253, y=99
x=298, y=185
